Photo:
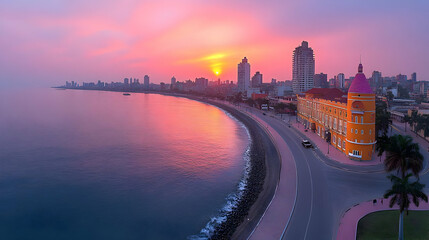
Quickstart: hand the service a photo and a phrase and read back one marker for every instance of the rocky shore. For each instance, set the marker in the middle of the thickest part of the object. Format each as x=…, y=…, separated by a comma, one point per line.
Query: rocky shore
x=255, y=181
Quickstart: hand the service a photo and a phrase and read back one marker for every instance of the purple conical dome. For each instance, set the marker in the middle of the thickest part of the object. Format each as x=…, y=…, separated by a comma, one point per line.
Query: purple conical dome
x=359, y=83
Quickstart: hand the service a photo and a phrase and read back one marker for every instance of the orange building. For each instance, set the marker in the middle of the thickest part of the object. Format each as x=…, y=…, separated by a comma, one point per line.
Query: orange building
x=346, y=121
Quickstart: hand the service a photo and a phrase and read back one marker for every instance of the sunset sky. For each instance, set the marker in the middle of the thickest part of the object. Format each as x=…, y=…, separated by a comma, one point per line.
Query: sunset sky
x=48, y=42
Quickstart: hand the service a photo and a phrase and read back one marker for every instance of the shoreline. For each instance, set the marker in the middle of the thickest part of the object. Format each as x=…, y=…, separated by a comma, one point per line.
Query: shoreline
x=263, y=176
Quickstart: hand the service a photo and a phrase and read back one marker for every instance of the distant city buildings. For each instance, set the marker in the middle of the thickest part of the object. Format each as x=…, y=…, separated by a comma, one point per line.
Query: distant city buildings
x=340, y=81
x=321, y=80
x=257, y=80
x=273, y=81
x=201, y=83
x=146, y=81
x=243, y=78
x=303, y=68
x=414, y=77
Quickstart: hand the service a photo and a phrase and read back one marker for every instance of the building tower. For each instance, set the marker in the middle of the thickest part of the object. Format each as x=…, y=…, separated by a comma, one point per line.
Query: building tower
x=360, y=136
x=340, y=81
x=243, y=79
x=257, y=80
x=146, y=81
x=302, y=68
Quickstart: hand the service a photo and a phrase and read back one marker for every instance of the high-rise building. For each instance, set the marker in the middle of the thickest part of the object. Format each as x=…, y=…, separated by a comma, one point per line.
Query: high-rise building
x=257, y=80
x=340, y=81
x=146, y=81
x=273, y=81
x=243, y=79
x=303, y=68
x=413, y=77
x=376, y=77
x=126, y=81
x=401, y=79
x=201, y=83
x=321, y=80
x=173, y=81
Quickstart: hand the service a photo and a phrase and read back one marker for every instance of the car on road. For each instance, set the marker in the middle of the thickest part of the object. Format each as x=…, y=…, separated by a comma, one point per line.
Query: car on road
x=306, y=144
x=264, y=114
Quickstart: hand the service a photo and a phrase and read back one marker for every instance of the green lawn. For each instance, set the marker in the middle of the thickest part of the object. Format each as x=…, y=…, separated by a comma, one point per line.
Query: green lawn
x=384, y=225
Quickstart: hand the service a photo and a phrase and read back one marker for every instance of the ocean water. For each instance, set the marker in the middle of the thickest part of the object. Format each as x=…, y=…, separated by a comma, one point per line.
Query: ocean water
x=80, y=164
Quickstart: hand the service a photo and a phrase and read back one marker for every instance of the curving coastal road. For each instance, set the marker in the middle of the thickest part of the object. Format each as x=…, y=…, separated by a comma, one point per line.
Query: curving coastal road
x=325, y=188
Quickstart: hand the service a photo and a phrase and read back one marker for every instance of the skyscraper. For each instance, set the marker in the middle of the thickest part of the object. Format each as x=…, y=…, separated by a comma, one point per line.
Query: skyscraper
x=243, y=79
x=173, y=81
x=413, y=77
x=340, y=80
x=303, y=68
x=257, y=80
x=146, y=81
x=376, y=77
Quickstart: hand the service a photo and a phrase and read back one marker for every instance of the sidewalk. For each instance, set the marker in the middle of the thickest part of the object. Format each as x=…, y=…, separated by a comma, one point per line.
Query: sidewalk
x=334, y=153
x=351, y=217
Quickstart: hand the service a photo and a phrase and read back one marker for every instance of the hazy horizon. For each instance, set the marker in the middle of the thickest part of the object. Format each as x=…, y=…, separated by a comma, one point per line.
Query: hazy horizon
x=48, y=42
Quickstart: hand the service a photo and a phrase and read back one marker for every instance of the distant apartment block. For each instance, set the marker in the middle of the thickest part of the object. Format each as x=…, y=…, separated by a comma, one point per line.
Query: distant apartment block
x=243, y=78
x=303, y=68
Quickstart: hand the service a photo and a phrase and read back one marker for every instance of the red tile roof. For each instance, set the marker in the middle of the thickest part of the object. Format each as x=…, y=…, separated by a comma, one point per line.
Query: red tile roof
x=333, y=94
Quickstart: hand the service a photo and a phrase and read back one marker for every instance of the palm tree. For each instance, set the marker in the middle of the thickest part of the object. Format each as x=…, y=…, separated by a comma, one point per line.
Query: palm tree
x=412, y=119
x=403, y=155
x=382, y=119
x=382, y=144
x=400, y=192
x=422, y=124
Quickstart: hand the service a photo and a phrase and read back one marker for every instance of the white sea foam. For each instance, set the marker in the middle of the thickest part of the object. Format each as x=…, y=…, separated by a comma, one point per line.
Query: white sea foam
x=232, y=199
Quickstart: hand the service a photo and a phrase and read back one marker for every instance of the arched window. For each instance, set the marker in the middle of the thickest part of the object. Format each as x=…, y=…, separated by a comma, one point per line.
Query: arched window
x=356, y=119
x=361, y=119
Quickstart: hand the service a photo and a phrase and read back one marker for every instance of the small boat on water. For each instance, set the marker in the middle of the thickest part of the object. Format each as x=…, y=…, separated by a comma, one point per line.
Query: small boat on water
x=126, y=94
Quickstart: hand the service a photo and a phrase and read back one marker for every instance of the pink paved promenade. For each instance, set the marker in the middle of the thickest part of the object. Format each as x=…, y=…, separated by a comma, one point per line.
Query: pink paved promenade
x=351, y=217
x=334, y=153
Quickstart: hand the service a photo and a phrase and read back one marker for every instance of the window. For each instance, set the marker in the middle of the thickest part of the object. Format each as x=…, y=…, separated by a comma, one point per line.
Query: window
x=356, y=119
x=344, y=144
x=356, y=152
x=334, y=139
x=339, y=142
x=351, y=130
x=361, y=119
x=356, y=131
x=369, y=131
x=361, y=132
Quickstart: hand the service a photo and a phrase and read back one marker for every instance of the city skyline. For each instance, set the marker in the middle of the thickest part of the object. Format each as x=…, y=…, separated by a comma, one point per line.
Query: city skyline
x=83, y=41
